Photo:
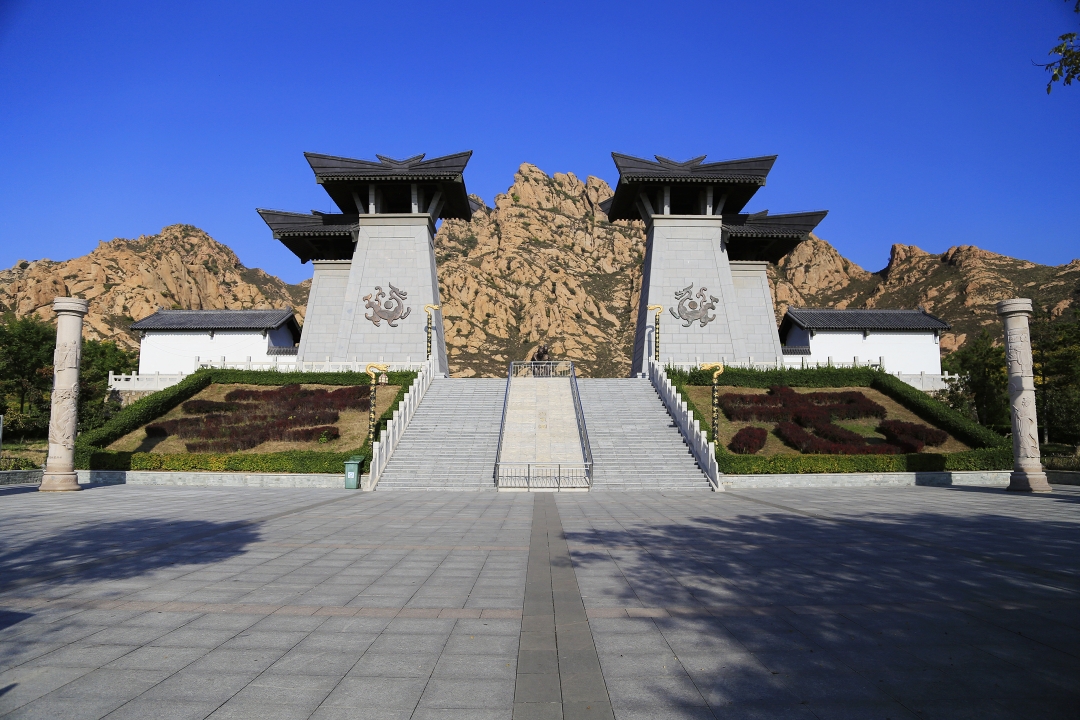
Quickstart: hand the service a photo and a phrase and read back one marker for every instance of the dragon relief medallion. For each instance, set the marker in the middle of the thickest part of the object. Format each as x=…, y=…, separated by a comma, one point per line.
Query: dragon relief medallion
x=391, y=311
x=691, y=309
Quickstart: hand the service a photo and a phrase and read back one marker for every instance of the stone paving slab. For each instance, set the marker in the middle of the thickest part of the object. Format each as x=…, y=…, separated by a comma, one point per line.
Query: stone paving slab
x=220, y=602
x=146, y=602
x=818, y=603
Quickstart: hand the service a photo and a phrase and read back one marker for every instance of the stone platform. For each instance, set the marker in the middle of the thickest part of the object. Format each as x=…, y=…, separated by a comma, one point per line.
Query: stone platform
x=169, y=602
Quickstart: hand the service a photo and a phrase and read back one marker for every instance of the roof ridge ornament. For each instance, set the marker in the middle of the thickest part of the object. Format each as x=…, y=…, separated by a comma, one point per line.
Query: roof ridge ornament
x=675, y=164
x=400, y=164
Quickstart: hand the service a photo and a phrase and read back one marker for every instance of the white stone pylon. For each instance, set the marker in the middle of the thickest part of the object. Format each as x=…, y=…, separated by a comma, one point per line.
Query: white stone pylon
x=60, y=467
x=1027, y=474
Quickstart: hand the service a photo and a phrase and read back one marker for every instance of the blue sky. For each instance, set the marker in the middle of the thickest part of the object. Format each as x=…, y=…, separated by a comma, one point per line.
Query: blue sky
x=920, y=122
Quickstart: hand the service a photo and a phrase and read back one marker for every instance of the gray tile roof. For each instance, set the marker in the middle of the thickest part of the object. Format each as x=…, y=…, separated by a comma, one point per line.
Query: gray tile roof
x=762, y=224
x=752, y=170
x=829, y=319
x=734, y=180
x=290, y=224
x=216, y=320
x=332, y=167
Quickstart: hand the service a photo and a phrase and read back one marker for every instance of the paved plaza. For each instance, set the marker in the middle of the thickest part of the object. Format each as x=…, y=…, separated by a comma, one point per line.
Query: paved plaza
x=167, y=602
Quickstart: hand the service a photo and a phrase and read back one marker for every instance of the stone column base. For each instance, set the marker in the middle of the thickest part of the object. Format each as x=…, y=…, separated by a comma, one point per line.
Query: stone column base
x=1025, y=481
x=62, y=481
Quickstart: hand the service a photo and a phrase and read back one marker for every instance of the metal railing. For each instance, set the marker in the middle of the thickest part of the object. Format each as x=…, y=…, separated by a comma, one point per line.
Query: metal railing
x=583, y=432
x=539, y=475
x=553, y=369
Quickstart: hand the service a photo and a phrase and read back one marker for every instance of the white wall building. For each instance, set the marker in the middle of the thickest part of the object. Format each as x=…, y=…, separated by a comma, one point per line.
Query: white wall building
x=175, y=341
x=906, y=341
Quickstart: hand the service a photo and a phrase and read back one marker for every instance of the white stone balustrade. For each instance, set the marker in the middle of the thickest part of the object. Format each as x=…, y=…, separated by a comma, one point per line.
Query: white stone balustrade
x=703, y=450
x=384, y=447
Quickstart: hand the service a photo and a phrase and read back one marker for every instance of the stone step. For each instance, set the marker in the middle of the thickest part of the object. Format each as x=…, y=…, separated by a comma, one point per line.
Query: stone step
x=450, y=443
x=635, y=443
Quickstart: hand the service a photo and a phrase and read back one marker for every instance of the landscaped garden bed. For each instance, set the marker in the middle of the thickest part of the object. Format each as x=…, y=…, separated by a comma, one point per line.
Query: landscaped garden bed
x=832, y=420
x=245, y=421
x=241, y=418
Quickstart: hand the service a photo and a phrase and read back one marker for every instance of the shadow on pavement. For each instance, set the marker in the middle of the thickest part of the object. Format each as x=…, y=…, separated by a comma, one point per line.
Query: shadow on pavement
x=122, y=549
x=890, y=613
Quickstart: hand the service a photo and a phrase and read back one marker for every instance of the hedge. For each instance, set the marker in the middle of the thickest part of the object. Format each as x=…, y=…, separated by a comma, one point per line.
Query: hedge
x=293, y=461
x=90, y=452
x=926, y=407
x=982, y=459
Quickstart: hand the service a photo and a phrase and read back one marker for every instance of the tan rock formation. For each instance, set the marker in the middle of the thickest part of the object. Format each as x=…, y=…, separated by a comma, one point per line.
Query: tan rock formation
x=126, y=280
x=544, y=266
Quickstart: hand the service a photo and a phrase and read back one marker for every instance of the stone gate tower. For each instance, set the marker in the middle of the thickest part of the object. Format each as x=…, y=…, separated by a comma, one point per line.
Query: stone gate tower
x=705, y=260
x=375, y=261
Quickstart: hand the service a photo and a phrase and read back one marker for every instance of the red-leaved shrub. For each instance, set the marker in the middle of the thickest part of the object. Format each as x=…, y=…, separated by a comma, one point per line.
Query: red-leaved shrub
x=804, y=442
x=898, y=428
x=249, y=417
x=748, y=440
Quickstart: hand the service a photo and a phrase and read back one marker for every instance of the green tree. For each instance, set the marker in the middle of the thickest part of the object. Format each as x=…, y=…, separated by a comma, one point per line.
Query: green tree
x=1067, y=66
x=1056, y=356
x=26, y=376
x=26, y=348
x=982, y=365
x=98, y=359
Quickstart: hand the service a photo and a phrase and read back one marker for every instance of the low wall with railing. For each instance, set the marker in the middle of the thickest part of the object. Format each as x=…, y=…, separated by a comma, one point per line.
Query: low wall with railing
x=152, y=382
x=702, y=449
x=384, y=447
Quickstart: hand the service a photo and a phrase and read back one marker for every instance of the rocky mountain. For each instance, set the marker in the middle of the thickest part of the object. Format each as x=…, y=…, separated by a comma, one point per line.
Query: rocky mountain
x=126, y=280
x=960, y=286
x=543, y=266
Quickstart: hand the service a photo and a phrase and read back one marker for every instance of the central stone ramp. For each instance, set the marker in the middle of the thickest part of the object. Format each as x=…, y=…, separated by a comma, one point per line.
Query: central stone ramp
x=452, y=440
x=541, y=437
x=635, y=443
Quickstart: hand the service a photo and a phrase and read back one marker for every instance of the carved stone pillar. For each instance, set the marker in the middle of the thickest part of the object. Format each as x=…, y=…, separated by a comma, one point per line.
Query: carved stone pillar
x=60, y=467
x=1027, y=474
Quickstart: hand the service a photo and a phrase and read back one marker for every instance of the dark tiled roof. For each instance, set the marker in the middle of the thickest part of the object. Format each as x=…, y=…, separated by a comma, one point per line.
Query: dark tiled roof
x=796, y=350
x=827, y=319
x=793, y=225
x=348, y=181
x=749, y=170
x=216, y=320
x=734, y=181
x=289, y=224
x=761, y=236
x=331, y=167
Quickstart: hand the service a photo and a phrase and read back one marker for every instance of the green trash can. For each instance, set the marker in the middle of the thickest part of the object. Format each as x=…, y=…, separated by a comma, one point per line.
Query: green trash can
x=352, y=472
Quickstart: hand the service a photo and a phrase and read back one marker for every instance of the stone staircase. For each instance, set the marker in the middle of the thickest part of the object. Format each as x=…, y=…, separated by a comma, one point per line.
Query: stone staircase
x=635, y=443
x=452, y=440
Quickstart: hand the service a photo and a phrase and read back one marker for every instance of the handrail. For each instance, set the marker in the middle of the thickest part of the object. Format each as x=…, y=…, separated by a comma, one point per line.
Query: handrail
x=502, y=424
x=583, y=432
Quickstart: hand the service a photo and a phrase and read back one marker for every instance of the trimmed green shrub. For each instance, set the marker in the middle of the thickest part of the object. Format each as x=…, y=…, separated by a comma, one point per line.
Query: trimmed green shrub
x=982, y=459
x=10, y=462
x=294, y=461
x=90, y=452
